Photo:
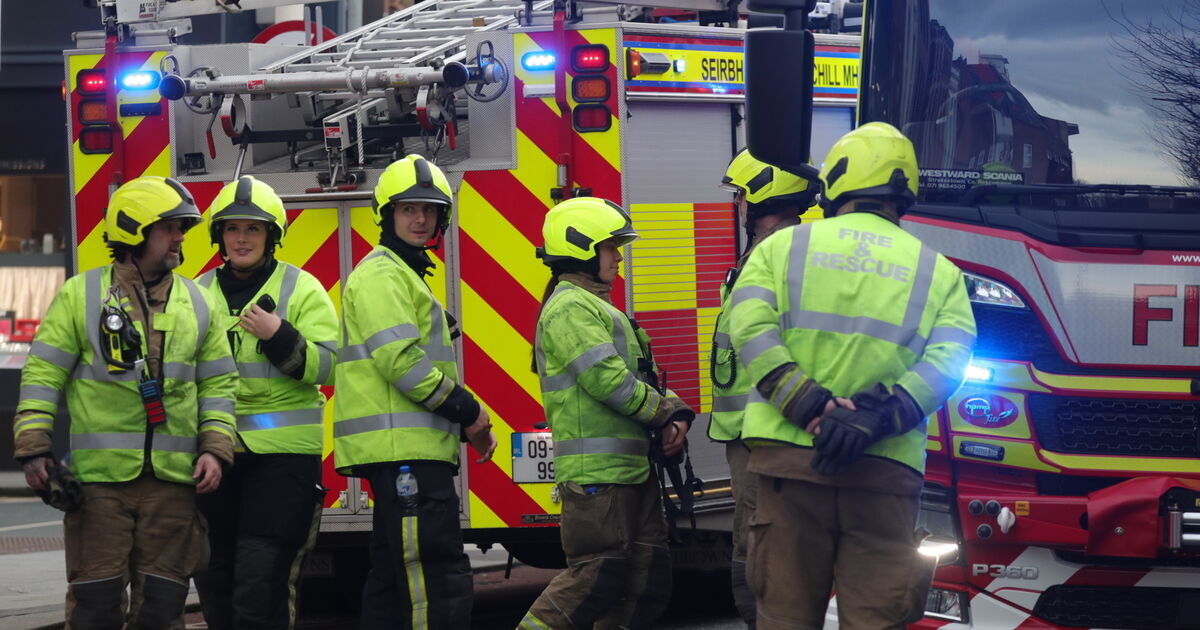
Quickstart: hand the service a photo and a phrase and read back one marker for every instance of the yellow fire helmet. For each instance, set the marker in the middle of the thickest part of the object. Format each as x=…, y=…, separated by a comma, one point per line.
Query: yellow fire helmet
x=413, y=178
x=763, y=183
x=573, y=228
x=143, y=201
x=248, y=198
x=875, y=160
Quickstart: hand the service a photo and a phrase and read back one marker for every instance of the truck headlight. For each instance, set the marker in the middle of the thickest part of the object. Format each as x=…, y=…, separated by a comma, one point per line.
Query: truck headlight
x=946, y=604
x=983, y=290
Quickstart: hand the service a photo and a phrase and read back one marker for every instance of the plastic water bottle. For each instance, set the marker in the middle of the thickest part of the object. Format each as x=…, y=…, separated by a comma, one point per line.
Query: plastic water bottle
x=406, y=491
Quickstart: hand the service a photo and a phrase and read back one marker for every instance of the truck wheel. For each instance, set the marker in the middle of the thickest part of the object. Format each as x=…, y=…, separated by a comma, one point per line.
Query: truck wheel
x=538, y=555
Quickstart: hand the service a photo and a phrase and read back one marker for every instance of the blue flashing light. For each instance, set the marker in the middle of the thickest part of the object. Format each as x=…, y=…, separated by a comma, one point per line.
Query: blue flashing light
x=538, y=60
x=979, y=374
x=139, y=80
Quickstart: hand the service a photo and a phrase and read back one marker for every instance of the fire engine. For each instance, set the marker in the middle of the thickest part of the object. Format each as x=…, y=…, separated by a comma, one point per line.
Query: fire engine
x=1062, y=488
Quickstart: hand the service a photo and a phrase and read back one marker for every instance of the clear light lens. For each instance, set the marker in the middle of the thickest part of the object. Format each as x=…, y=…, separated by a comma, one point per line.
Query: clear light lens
x=983, y=290
x=979, y=373
x=680, y=65
x=945, y=604
x=538, y=61
x=937, y=549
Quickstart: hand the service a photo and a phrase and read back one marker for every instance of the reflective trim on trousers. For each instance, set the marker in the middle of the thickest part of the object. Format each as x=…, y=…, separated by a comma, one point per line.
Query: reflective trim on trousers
x=277, y=419
x=734, y=402
x=602, y=446
x=55, y=356
x=398, y=420
x=133, y=441
x=42, y=393
x=415, y=574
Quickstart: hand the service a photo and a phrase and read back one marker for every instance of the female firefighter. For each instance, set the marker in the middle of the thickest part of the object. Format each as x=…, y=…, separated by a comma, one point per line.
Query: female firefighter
x=282, y=329
x=598, y=382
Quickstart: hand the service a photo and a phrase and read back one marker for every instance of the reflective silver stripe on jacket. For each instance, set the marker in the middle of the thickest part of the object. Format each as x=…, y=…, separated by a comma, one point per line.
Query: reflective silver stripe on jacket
x=215, y=367
x=733, y=402
x=277, y=419
x=287, y=287
x=940, y=384
x=435, y=349
x=623, y=392
x=601, y=446
x=413, y=377
x=181, y=371
x=398, y=420
x=133, y=441
x=326, y=358
x=200, y=306
x=619, y=347
x=258, y=369
x=743, y=294
x=443, y=389
x=206, y=279
x=217, y=404
x=760, y=344
x=905, y=334
x=41, y=418
x=722, y=340
x=55, y=356
x=43, y=393
x=91, y=372
x=590, y=357
x=950, y=334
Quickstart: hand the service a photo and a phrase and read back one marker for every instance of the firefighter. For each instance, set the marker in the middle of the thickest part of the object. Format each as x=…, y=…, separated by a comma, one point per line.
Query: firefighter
x=398, y=405
x=150, y=387
x=768, y=199
x=282, y=329
x=856, y=308
x=598, y=383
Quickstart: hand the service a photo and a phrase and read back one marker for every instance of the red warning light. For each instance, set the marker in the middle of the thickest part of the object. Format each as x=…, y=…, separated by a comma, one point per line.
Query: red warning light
x=590, y=58
x=91, y=81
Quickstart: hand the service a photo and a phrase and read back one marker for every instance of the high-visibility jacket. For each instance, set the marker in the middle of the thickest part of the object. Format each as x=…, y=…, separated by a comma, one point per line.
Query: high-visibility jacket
x=599, y=410
x=853, y=301
x=275, y=412
x=394, y=355
x=731, y=385
x=108, y=418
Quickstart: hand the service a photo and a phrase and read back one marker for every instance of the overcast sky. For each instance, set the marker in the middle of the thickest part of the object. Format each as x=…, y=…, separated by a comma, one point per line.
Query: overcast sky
x=1062, y=56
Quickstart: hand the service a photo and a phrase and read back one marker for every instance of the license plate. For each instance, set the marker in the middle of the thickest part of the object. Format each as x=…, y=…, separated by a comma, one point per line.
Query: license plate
x=533, y=457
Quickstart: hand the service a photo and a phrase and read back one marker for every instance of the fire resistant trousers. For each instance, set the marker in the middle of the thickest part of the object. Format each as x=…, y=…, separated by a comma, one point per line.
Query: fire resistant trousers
x=261, y=522
x=745, y=497
x=618, y=566
x=806, y=535
x=420, y=577
x=145, y=530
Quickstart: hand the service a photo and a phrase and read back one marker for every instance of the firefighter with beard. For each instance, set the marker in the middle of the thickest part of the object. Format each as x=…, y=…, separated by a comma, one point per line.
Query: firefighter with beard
x=282, y=329
x=150, y=386
x=399, y=412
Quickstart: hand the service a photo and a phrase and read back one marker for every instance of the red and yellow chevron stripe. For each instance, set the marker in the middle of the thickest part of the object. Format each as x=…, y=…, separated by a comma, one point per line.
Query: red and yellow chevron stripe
x=500, y=223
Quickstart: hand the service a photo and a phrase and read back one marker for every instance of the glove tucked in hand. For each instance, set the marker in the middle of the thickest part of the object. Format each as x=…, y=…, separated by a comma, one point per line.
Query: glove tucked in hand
x=65, y=493
x=672, y=409
x=845, y=434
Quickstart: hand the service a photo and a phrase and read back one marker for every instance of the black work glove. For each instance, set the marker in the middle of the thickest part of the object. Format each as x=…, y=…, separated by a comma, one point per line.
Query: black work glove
x=797, y=397
x=65, y=492
x=845, y=434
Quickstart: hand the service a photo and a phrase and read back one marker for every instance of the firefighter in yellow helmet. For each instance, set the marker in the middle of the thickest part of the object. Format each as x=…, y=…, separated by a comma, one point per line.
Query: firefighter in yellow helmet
x=150, y=386
x=853, y=332
x=768, y=199
x=399, y=411
x=599, y=387
x=282, y=329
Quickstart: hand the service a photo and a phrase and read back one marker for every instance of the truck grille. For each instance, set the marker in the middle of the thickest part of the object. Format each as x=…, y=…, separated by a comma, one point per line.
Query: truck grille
x=1117, y=426
x=1120, y=607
